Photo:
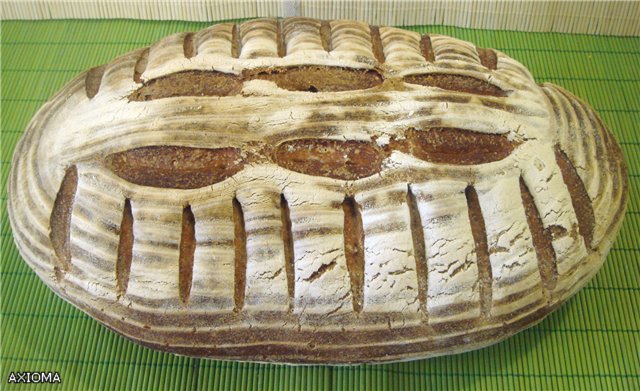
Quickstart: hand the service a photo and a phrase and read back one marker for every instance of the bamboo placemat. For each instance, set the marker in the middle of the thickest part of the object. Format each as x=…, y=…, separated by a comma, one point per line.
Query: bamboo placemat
x=612, y=17
x=592, y=342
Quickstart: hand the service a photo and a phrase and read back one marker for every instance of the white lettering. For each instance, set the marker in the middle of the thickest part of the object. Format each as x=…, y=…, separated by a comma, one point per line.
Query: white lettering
x=34, y=377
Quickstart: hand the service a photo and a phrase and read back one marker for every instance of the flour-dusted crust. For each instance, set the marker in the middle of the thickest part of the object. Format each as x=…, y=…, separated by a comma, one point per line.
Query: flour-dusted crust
x=311, y=191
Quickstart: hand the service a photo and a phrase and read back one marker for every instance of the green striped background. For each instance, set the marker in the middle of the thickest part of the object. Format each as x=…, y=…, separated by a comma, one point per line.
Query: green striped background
x=591, y=342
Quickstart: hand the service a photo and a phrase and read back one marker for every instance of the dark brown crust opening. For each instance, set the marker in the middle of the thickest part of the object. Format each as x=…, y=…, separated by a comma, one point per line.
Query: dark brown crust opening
x=488, y=58
x=289, y=256
x=125, y=249
x=213, y=83
x=426, y=49
x=325, y=35
x=93, y=80
x=479, y=233
x=419, y=250
x=188, y=46
x=458, y=146
x=579, y=197
x=282, y=47
x=141, y=65
x=189, y=168
x=453, y=82
x=189, y=83
x=236, y=41
x=346, y=160
x=376, y=43
x=240, y=245
x=317, y=78
x=175, y=167
x=541, y=238
x=354, y=249
x=60, y=222
x=187, y=252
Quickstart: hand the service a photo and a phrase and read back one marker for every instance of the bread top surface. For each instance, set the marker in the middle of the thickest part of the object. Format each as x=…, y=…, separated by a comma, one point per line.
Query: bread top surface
x=315, y=191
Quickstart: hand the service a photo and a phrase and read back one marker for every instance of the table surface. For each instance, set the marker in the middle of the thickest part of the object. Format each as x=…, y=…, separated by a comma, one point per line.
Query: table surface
x=593, y=341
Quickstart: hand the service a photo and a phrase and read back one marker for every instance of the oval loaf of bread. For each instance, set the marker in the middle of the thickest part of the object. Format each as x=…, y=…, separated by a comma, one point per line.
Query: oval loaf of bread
x=310, y=191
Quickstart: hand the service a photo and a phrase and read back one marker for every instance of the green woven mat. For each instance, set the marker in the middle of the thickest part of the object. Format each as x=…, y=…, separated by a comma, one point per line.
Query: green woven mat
x=591, y=342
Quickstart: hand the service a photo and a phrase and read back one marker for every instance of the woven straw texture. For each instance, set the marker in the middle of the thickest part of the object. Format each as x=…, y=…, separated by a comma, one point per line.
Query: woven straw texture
x=592, y=342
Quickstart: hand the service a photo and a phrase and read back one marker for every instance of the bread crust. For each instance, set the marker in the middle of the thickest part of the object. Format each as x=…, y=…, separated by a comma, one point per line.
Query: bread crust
x=309, y=191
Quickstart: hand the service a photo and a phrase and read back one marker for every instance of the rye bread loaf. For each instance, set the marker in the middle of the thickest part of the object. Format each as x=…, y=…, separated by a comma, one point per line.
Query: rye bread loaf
x=311, y=191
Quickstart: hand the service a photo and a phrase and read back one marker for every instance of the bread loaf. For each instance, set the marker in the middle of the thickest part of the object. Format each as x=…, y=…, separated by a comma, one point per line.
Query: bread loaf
x=309, y=191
